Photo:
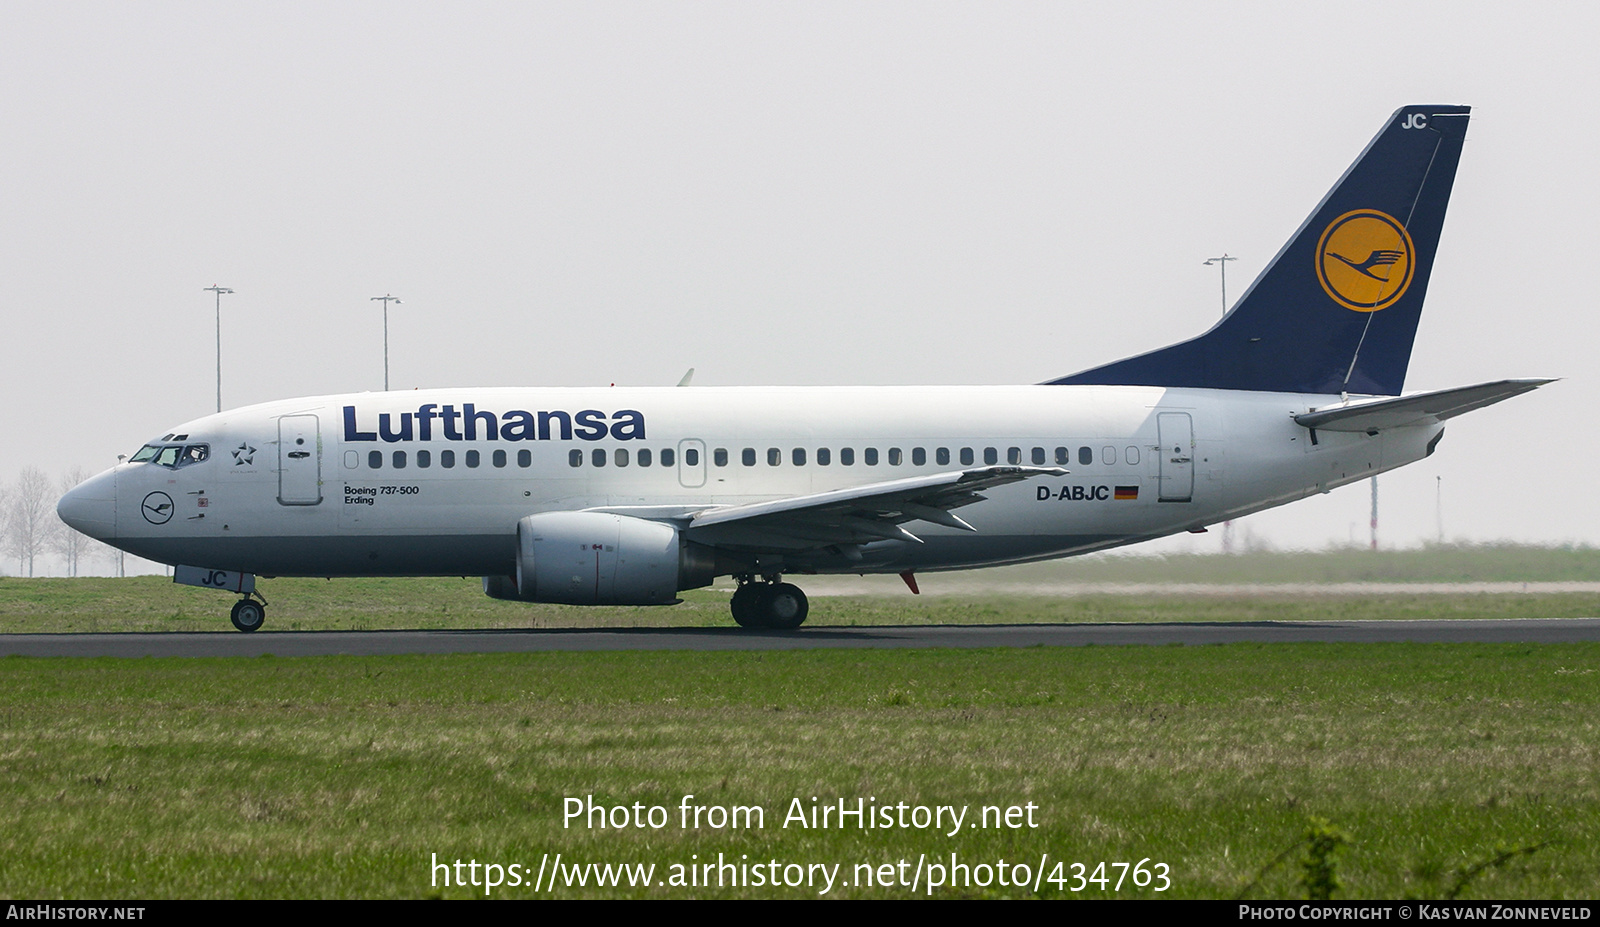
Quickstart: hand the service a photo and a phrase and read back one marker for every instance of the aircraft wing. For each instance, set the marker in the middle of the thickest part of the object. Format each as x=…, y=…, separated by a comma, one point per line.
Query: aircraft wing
x=1420, y=408
x=857, y=515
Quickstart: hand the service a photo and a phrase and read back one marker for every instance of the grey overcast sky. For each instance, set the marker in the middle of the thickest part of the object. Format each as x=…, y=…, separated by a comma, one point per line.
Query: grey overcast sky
x=789, y=193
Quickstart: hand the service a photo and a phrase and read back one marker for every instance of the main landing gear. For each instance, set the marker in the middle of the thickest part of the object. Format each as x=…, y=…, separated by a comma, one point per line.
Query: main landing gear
x=767, y=603
x=248, y=614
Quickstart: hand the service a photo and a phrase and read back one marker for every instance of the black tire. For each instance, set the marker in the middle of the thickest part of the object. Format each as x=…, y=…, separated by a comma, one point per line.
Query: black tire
x=785, y=607
x=248, y=615
x=746, y=605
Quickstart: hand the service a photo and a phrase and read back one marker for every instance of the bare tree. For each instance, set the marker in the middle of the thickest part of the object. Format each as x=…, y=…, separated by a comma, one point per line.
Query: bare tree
x=28, y=517
x=71, y=544
x=5, y=520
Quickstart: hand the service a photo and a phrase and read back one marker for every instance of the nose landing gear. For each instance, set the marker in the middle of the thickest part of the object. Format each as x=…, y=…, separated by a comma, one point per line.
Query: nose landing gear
x=248, y=614
x=767, y=603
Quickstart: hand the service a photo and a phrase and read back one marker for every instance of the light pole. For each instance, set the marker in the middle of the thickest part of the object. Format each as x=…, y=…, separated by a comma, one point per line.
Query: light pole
x=219, y=290
x=1227, y=526
x=1223, y=262
x=1438, y=506
x=1374, y=513
x=386, y=300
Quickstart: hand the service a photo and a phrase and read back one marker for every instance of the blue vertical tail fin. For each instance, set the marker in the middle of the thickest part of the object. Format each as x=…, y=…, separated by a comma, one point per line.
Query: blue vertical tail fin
x=1337, y=309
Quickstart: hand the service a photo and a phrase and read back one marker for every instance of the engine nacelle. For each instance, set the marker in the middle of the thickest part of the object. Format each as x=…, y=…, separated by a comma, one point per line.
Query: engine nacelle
x=596, y=558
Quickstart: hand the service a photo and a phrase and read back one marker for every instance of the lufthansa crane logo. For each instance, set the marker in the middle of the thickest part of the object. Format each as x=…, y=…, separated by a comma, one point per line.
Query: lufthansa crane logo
x=157, y=508
x=1364, y=260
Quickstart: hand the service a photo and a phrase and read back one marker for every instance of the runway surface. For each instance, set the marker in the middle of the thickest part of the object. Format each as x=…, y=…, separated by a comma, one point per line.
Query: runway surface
x=324, y=643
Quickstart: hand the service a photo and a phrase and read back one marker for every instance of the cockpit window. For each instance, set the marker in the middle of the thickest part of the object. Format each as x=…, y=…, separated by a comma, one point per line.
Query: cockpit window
x=172, y=455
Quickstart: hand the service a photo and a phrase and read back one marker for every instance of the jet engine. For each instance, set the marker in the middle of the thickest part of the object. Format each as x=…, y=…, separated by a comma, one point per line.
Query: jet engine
x=596, y=558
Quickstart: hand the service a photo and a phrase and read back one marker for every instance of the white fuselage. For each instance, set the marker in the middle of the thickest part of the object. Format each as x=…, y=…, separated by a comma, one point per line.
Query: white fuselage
x=408, y=483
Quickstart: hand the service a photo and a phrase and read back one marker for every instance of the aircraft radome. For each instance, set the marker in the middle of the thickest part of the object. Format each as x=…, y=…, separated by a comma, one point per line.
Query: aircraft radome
x=618, y=496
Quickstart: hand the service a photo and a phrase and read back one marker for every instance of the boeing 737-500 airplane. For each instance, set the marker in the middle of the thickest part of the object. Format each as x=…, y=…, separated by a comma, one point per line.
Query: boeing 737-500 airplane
x=620, y=496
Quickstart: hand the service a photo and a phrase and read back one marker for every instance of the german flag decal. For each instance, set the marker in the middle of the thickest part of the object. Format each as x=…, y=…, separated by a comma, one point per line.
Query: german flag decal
x=1127, y=492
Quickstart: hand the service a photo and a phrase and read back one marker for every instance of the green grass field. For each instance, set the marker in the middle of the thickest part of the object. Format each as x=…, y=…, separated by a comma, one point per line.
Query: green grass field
x=341, y=776
x=1463, y=769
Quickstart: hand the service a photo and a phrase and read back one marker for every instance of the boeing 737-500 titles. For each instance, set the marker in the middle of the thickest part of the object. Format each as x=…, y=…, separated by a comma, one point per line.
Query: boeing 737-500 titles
x=620, y=496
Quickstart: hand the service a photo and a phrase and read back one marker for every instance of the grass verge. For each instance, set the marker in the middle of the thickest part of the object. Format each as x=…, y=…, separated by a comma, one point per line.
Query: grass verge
x=340, y=776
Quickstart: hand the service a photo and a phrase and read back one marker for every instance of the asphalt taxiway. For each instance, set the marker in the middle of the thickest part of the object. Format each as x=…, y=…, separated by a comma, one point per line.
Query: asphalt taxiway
x=326, y=643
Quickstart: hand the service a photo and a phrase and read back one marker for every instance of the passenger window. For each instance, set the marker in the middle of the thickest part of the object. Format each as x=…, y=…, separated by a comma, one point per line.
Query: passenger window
x=966, y=457
x=574, y=458
x=1130, y=455
x=620, y=457
x=991, y=456
x=798, y=456
x=644, y=457
x=472, y=459
x=919, y=457
x=774, y=457
x=425, y=459
x=894, y=457
x=500, y=458
x=399, y=460
x=375, y=460
x=1063, y=456
x=869, y=456
x=847, y=456
x=691, y=457
x=1108, y=455
x=1038, y=456
x=942, y=457
x=720, y=457
x=1085, y=456
x=352, y=460
x=597, y=457
x=1013, y=455
x=524, y=458
x=824, y=457
x=748, y=456
x=447, y=459
x=668, y=457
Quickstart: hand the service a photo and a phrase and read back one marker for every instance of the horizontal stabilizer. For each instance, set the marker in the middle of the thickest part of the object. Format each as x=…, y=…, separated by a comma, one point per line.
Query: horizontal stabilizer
x=1421, y=408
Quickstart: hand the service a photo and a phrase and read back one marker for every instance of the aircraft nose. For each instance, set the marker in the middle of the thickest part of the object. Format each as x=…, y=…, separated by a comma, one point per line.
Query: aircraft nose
x=91, y=506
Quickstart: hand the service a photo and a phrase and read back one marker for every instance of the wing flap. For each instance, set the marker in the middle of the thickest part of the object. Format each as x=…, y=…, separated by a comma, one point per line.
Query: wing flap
x=858, y=514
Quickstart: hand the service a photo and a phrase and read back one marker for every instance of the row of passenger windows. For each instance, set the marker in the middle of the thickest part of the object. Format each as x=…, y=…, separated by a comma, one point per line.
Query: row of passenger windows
x=870, y=457
x=822, y=457
x=399, y=460
x=447, y=459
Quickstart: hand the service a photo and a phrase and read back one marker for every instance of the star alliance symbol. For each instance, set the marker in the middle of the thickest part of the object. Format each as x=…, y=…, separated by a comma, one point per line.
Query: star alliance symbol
x=244, y=454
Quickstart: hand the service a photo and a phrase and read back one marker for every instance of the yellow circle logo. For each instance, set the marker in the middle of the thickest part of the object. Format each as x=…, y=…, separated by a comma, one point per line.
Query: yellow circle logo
x=1364, y=260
